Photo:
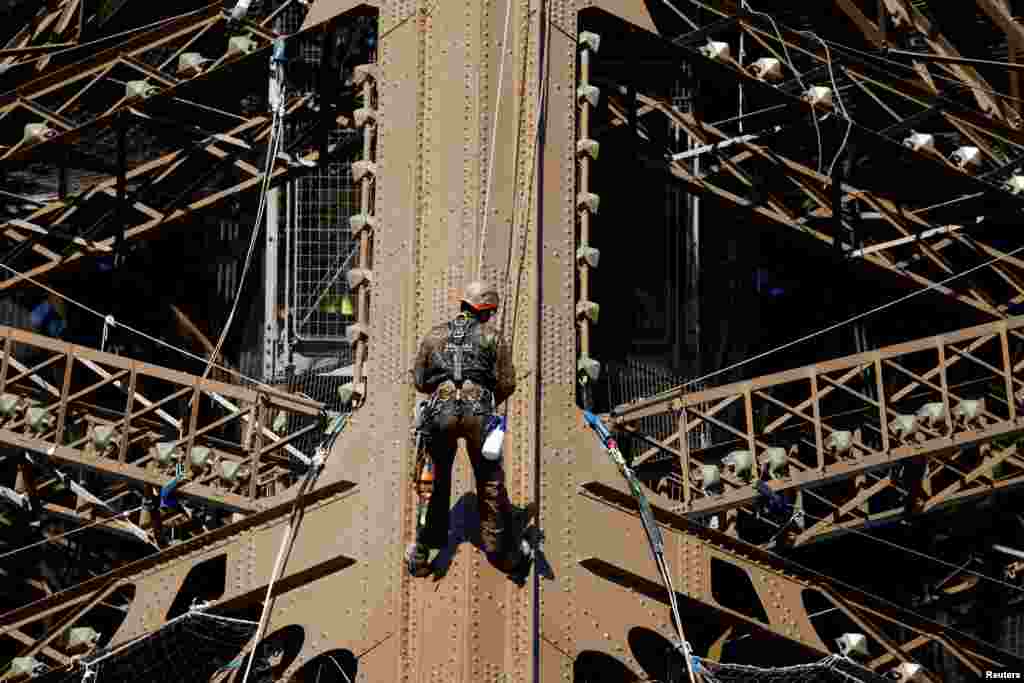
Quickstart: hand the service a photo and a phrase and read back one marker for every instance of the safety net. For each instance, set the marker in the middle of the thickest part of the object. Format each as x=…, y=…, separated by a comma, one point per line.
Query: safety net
x=192, y=647
x=834, y=669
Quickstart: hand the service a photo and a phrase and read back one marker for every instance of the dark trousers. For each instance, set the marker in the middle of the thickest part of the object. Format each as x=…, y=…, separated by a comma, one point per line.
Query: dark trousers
x=492, y=496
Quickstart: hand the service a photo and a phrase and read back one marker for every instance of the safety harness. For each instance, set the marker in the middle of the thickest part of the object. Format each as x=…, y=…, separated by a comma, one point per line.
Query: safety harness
x=480, y=401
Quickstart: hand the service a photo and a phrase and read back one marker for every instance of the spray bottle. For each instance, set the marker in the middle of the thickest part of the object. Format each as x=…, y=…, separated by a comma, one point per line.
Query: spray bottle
x=495, y=437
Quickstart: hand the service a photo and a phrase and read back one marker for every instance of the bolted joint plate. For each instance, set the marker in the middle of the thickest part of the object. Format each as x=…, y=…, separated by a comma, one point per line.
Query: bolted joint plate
x=356, y=332
x=362, y=221
x=589, y=368
x=240, y=45
x=138, y=89
x=24, y=667
x=590, y=40
x=37, y=132
x=363, y=168
x=39, y=418
x=352, y=392
x=10, y=404
x=588, y=255
x=363, y=71
x=191, y=62
x=359, y=276
x=103, y=436
x=362, y=115
x=590, y=93
x=588, y=310
x=588, y=201
x=588, y=147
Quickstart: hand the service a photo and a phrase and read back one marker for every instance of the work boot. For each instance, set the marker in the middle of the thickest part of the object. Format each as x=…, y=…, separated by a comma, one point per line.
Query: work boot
x=417, y=560
x=519, y=559
x=518, y=562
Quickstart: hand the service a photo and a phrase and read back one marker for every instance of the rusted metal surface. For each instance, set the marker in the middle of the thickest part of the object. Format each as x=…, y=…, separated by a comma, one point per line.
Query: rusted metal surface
x=56, y=26
x=912, y=251
x=937, y=402
x=442, y=67
x=55, y=416
x=199, y=155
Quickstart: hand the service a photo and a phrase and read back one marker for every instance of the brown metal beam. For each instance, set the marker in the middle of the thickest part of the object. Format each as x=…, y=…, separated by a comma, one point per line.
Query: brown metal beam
x=116, y=466
x=779, y=586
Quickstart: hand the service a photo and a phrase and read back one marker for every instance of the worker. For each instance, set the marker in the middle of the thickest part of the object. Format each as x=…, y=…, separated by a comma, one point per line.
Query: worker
x=466, y=368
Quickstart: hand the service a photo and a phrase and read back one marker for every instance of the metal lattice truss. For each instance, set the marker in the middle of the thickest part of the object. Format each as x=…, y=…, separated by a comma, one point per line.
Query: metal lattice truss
x=908, y=428
x=608, y=564
x=60, y=405
x=56, y=25
x=173, y=108
x=944, y=410
x=911, y=233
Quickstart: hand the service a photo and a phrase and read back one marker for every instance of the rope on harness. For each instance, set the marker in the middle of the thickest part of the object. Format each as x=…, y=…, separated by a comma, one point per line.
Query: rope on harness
x=317, y=463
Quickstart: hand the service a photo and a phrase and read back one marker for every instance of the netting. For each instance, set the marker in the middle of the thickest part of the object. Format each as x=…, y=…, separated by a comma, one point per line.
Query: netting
x=834, y=669
x=192, y=647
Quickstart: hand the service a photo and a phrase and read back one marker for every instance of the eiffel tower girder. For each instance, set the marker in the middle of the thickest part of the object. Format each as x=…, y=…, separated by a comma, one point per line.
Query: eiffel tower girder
x=343, y=582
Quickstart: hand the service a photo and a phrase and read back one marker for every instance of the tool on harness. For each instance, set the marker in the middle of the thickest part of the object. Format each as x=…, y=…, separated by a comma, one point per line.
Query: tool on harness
x=423, y=470
x=650, y=524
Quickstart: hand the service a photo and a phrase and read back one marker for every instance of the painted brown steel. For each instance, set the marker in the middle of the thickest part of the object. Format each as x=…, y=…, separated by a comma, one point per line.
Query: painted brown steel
x=933, y=446
x=344, y=583
x=14, y=430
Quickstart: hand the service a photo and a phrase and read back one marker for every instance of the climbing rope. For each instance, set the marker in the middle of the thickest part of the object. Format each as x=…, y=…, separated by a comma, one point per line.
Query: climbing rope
x=494, y=137
x=651, y=528
x=317, y=463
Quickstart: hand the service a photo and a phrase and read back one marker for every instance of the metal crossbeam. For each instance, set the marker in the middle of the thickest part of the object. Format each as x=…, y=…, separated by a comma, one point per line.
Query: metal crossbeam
x=820, y=427
x=903, y=218
x=780, y=587
x=595, y=590
x=128, y=455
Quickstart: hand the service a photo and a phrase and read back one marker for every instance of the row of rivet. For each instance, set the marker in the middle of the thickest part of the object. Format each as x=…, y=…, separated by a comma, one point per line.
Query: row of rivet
x=362, y=224
x=587, y=369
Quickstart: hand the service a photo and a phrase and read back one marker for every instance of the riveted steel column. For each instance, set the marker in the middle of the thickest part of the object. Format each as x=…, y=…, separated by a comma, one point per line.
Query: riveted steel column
x=587, y=95
x=359, y=278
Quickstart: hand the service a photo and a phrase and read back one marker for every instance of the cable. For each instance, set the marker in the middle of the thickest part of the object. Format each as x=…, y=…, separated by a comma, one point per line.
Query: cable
x=273, y=147
x=494, y=138
x=956, y=82
x=101, y=316
x=331, y=657
x=839, y=99
x=679, y=13
x=799, y=77
x=904, y=548
x=68, y=533
x=880, y=599
x=836, y=326
x=286, y=544
x=543, y=83
x=127, y=32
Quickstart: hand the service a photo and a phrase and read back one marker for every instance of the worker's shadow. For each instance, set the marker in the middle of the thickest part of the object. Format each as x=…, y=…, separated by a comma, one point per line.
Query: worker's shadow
x=464, y=526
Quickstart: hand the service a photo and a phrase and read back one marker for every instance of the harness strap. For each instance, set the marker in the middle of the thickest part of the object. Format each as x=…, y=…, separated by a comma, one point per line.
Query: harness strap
x=458, y=330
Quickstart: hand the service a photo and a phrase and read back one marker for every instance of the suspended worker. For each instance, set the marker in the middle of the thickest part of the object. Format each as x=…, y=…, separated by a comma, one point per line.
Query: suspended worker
x=466, y=368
